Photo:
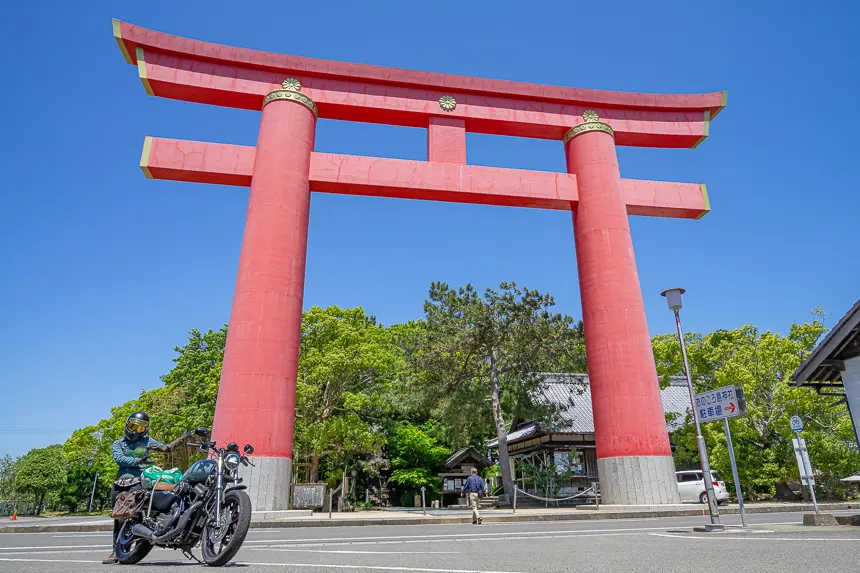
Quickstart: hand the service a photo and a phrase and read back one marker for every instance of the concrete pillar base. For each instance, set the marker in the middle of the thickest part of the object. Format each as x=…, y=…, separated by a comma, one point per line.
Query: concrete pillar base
x=710, y=528
x=825, y=519
x=268, y=483
x=638, y=480
x=853, y=520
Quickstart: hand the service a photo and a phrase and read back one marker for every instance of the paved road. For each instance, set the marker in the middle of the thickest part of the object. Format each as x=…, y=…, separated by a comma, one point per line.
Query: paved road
x=663, y=545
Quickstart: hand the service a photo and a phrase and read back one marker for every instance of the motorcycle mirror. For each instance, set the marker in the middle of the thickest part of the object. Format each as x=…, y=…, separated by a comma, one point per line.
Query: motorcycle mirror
x=248, y=449
x=232, y=447
x=202, y=432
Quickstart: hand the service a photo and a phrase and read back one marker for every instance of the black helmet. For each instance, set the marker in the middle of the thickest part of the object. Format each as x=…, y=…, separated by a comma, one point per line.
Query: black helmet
x=136, y=426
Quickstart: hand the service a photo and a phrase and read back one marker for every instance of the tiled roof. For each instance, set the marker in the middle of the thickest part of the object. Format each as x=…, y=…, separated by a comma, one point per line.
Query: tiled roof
x=571, y=393
x=573, y=396
x=463, y=453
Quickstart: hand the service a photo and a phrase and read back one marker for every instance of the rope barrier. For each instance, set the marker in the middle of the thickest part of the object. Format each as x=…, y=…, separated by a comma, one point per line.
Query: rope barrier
x=591, y=489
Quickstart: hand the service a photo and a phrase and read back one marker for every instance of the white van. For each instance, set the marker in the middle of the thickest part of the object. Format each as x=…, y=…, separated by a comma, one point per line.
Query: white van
x=692, y=488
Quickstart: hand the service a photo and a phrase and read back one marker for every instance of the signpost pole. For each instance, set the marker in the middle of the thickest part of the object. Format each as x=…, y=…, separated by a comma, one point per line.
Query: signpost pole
x=700, y=440
x=735, y=473
x=807, y=469
x=93, y=493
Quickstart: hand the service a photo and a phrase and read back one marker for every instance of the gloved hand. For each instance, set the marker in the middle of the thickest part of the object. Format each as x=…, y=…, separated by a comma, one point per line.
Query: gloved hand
x=141, y=461
x=186, y=435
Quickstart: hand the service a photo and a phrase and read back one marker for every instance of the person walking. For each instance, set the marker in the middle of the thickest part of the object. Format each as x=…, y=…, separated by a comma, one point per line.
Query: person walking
x=473, y=487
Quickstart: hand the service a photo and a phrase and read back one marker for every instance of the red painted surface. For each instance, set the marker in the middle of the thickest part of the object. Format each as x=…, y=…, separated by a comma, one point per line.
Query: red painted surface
x=446, y=140
x=213, y=83
x=257, y=396
x=134, y=36
x=199, y=162
x=625, y=396
x=664, y=199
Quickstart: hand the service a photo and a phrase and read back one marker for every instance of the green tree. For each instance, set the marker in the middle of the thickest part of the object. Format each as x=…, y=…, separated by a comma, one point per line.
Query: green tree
x=481, y=358
x=417, y=457
x=88, y=451
x=8, y=470
x=761, y=363
x=345, y=366
x=75, y=493
x=41, y=471
x=191, y=386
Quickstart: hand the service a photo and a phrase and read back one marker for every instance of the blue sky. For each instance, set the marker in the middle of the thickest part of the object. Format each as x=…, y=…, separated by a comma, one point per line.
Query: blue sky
x=102, y=271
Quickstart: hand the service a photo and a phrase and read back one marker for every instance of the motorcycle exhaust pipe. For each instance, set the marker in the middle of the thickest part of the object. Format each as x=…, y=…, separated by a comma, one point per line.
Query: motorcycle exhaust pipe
x=140, y=530
x=183, y=521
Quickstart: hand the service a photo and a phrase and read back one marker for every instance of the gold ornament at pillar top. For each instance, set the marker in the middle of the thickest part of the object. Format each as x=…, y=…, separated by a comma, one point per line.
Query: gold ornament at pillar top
x=292, y=84
x=592, y=123
x=587, y=115
x=291, y=95
x=447, y=103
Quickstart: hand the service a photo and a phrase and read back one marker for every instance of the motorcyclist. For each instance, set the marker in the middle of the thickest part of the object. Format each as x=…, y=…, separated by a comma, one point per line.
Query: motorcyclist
x=131, y=455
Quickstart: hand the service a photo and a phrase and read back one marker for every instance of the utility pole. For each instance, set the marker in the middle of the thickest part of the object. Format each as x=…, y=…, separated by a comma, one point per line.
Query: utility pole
x=673, y=298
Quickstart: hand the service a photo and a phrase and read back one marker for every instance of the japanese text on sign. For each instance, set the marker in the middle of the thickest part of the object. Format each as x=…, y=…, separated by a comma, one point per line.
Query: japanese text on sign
x=718, y=404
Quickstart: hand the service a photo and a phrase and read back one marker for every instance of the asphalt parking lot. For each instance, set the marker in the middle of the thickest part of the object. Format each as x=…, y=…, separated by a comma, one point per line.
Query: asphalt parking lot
x=776, y=543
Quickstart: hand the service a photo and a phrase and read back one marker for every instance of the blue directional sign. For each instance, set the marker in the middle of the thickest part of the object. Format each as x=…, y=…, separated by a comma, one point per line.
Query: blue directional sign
x=725, y=402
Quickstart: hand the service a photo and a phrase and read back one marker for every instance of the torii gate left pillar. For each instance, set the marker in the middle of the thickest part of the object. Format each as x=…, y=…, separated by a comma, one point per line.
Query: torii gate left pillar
x=256, y=400
x=265, y=322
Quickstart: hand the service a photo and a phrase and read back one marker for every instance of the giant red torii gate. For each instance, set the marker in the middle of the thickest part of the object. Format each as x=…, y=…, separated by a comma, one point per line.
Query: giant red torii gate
x=256, y=400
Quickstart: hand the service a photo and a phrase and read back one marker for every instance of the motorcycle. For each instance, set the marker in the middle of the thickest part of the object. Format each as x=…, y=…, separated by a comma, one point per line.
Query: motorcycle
x=209, y=506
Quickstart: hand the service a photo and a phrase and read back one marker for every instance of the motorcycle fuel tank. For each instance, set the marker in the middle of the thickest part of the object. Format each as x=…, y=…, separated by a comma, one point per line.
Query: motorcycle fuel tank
x=199, y=471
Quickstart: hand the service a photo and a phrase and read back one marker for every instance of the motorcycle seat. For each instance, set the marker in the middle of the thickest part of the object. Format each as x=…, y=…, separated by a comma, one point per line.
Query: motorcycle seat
x=162, y=500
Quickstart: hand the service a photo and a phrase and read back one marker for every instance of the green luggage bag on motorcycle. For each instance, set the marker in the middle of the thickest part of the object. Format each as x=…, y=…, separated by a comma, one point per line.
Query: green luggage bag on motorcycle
x=153, y=475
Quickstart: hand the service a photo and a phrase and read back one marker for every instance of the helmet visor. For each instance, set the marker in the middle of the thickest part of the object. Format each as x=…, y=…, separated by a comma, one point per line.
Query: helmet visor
x=137, y=426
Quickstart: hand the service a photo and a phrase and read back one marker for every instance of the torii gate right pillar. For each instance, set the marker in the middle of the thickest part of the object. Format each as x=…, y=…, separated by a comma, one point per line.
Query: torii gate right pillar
x=634, y=459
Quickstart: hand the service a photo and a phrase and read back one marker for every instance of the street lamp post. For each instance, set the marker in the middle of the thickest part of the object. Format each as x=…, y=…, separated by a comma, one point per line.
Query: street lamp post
x=673, y=298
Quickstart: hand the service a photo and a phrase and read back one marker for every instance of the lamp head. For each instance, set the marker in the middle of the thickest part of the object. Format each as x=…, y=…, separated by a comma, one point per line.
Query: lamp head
x=673, y=297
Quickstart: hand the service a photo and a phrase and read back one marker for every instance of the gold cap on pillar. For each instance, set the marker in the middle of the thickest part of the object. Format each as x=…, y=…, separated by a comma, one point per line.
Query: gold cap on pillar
x=592, y=123
x=290, y=91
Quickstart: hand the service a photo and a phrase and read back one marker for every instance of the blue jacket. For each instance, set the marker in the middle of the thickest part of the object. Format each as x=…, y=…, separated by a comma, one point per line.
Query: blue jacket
x=474, y=484
x=125, y=452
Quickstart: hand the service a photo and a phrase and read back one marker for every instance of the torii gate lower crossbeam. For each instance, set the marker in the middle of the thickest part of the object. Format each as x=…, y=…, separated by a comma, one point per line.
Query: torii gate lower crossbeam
x=256, y=400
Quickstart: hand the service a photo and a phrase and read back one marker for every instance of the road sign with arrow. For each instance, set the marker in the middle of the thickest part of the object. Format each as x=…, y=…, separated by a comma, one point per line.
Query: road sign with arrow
x=725, y=402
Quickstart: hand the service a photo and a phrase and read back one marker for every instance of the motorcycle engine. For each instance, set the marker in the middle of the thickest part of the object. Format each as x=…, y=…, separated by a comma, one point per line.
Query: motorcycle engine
x=164, y=521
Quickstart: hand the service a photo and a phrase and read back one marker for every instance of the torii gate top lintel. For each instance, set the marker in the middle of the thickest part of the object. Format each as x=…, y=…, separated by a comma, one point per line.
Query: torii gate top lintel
x=176, y=67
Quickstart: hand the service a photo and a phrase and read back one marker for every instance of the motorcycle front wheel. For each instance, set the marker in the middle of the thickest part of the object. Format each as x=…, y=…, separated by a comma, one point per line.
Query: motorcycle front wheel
x=129, y=549
x=221, y=541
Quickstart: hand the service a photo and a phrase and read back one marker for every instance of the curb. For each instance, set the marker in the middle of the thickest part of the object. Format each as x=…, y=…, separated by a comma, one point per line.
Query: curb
x=512, y=518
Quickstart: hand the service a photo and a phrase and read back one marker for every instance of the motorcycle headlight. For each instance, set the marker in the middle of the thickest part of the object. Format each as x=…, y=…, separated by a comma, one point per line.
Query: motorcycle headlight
x=232, y=460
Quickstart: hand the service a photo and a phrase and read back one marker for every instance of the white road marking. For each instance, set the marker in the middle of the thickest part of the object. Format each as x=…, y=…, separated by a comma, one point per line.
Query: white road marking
x=56, y=547
x=105, y=534
x=297, y=548
x=721, y=537
x=309, y=565
x=394, y=539
x=102, y=550
x=353, y=551
x=49, y=560
x=373, y=567
x=276, y=547
x=475, y=535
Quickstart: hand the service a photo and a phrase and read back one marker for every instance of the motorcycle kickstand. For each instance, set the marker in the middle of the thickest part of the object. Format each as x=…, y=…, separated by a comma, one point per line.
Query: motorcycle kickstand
x=191, y=556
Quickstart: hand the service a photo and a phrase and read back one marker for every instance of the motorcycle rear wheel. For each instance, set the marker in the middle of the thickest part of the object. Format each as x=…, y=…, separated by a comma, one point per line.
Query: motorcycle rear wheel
x=220, y=544
x=129, y=549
